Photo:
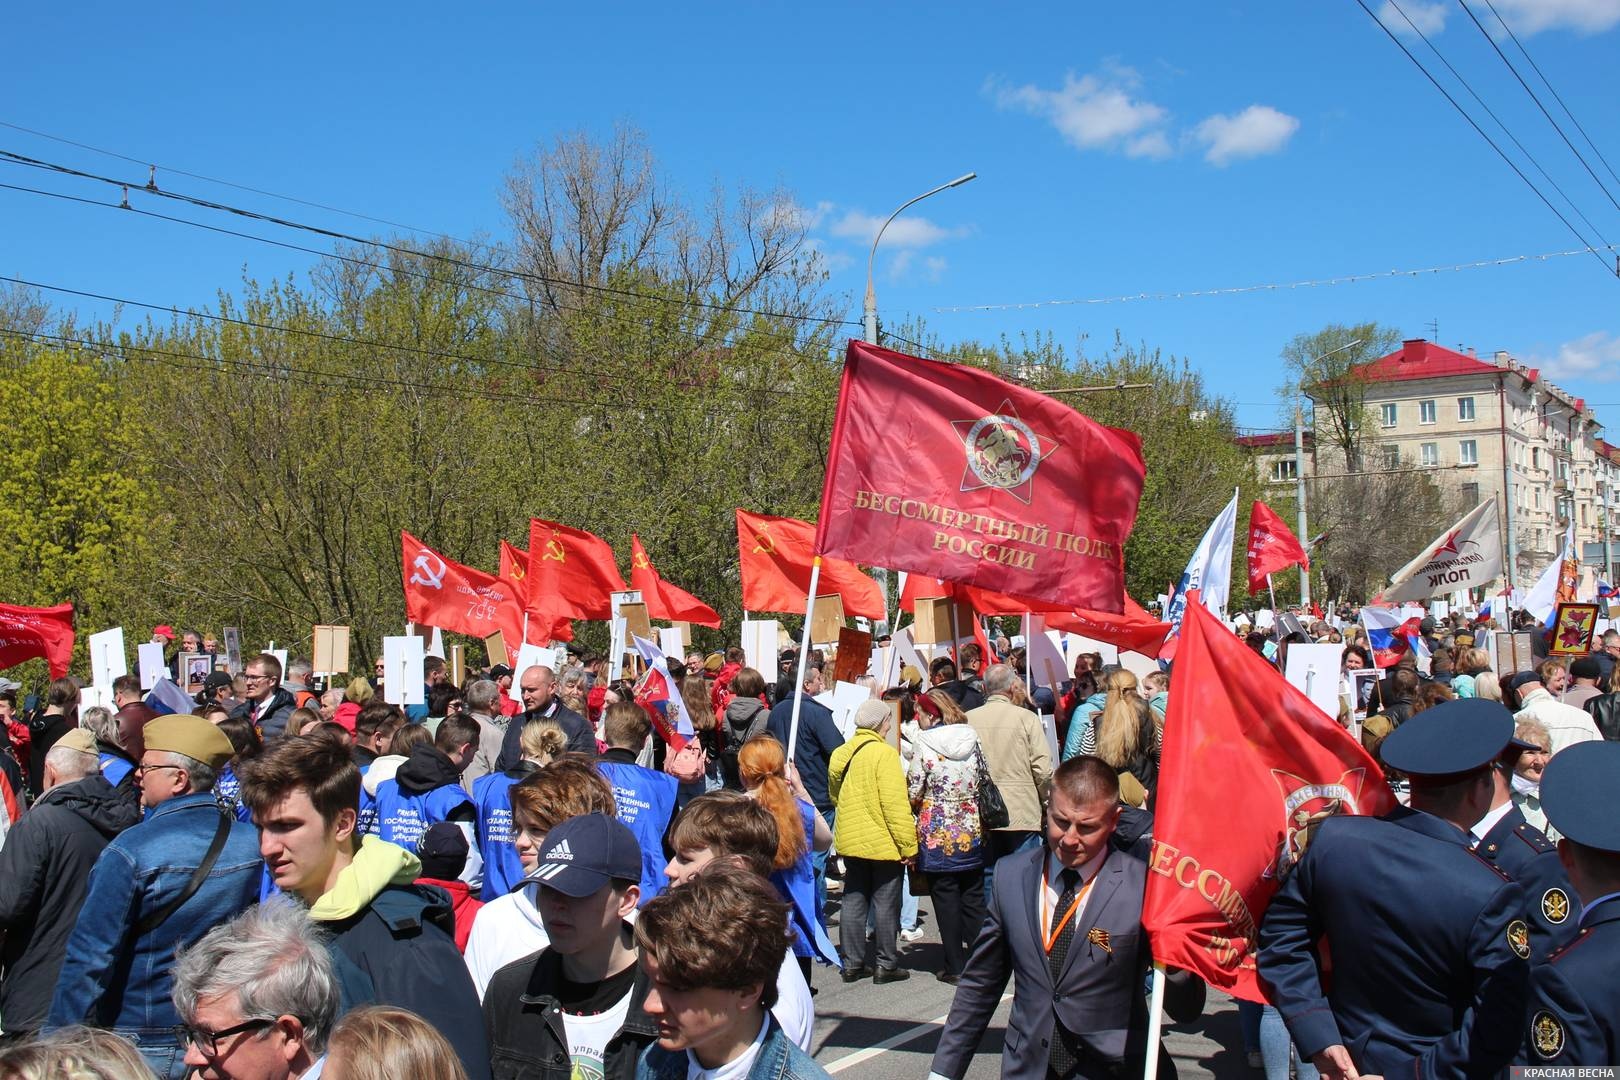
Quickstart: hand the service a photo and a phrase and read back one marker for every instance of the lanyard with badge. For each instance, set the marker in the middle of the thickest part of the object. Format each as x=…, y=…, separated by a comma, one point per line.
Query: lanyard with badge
x=1095, y=936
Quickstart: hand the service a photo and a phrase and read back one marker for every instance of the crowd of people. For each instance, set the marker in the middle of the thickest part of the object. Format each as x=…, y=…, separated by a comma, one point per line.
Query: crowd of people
x=519, y=877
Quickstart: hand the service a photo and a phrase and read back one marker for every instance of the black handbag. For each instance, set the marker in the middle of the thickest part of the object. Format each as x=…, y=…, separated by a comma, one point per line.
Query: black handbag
x=993, y=813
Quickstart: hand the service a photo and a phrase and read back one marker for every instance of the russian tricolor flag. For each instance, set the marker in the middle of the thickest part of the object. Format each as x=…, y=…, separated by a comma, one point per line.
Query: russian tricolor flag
x=1389, y=637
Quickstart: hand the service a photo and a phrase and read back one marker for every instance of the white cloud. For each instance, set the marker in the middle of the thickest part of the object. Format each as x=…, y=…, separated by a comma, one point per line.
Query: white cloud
x=1595, y=357
x=1428, y=17
x=794, y=216
x=1534, y=16
x=1257, y=130
x=901, y=265
x=1094, y=112
x=906, y=231
x=935, y=266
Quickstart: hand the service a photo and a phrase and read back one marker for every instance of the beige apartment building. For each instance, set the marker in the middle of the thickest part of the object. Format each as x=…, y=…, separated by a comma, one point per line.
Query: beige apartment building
x=1487, y=428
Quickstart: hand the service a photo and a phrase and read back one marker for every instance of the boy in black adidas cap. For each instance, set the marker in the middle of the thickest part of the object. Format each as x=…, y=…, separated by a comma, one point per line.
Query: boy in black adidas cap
x=577, y=1004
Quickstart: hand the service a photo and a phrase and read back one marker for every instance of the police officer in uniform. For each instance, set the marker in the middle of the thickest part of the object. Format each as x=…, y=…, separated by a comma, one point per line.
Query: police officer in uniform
x=1521, y=851
x=1574, y=1015
x=1428, y=942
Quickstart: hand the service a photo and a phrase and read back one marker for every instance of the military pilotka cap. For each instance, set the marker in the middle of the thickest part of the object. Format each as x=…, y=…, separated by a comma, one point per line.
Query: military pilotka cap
x=196, y=738
x=1577, y=792
x=79, y=739
x=1450, y=739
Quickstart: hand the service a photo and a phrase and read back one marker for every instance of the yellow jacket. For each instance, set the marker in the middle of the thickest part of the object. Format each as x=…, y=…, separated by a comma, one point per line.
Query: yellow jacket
x=874, y=812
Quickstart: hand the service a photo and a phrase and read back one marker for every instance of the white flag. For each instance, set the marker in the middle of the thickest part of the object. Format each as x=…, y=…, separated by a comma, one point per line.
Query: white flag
x=1210, y=568
x=1542, y=599
x=1466, y=556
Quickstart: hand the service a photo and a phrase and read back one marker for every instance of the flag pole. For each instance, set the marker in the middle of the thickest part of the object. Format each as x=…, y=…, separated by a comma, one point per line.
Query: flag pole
x=1150, y=1067
x=804, y=655
x=1029, y=675
x=1273, y=593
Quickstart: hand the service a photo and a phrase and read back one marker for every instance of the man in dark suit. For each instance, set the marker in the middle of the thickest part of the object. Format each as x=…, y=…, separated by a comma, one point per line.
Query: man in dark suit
x=540, y=702
x=1429, y=942
x=1521, y=851
x=1066, y=923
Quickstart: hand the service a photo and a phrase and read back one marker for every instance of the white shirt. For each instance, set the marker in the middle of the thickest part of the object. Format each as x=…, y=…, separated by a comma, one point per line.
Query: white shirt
x=795, y=1010
x=1484, y=825
x=507, y=928
x=735, y=1069
x=1052, y=888
x=588, y=1034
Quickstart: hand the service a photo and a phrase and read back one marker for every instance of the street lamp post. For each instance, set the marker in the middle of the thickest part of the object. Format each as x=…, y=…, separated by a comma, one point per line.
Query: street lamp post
x=870, y=322
x=871, y=294
x=1299, y=467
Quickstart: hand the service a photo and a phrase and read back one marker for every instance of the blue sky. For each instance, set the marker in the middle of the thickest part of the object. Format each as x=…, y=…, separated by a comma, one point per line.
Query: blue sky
x=1169, y=147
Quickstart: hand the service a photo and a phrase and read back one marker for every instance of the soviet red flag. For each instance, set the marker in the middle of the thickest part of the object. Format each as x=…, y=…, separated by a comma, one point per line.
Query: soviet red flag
x=665, y=601
x=29, y=633
x=515, y=572
x=571, y=573
x=1248, y=765
x=946, y=470
x=1272, y=546
x=446, y=594
x=775, y=554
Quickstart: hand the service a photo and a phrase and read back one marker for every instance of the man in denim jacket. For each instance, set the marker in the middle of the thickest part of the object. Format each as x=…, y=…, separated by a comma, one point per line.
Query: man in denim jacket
x=117, y=973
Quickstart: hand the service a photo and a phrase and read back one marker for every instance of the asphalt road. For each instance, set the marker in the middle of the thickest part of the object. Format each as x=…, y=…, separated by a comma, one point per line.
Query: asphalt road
x=863, y=1030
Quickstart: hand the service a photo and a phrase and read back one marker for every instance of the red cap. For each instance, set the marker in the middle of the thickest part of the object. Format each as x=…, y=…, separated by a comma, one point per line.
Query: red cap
x=163, y=631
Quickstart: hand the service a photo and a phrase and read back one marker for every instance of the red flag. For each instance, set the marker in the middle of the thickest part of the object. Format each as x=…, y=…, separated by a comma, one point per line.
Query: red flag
x=571, y=573
x=1248, y=764
x=30, y=633
x=515, y=572
x=1272, y=546
x=1133, y=630
x=775, y=554
x=665, y=601
x=454, y=597
x=946, y=470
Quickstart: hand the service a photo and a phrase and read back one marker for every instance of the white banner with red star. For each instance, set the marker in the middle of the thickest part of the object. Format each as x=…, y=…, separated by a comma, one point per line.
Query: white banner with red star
x=1466, y=556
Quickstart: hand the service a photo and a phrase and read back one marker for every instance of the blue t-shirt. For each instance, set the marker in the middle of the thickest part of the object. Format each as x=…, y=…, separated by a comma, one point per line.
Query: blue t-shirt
x=492, y=795
x=645, y=800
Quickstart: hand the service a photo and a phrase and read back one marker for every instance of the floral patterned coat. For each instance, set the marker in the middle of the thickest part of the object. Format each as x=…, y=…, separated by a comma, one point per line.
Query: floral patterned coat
x=944, y=785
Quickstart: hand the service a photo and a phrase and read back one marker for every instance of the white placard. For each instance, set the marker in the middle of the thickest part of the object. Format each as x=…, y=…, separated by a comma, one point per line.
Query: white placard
x=1413, y=611
x=1264, y=619
x=403, y=678
x=436, y=644
x=281, y=658
x=91, y=696
x=1049, y=729
x=843, y=699
x=906, y=654
x=1439, y=608
x=1045, y=658
x=531, y=655
x=1137, y=664
x=108, y=660
x=1074, y=645
x=149, y=657
x=759, y=646
x=619, y=599
x=671, y=640
x=1314, y=669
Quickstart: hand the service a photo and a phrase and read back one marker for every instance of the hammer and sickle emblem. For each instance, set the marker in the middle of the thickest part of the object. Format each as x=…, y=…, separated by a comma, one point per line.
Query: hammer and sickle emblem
x=764, y=543
x=641, y=562
x=554, y=552
x=429, y=570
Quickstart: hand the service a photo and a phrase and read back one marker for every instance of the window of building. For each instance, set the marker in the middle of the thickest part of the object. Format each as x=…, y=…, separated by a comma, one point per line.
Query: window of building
x=1468, y=452
x=1583, y=515
x=1389, y=412
x=1392, y=457
x=1535, y=457
x=1465, y=408
x=1285, y=469
x=1426, y=412
x=1429, y=454
x=1536, y=493
x=1470, y=494
x=1563, y=472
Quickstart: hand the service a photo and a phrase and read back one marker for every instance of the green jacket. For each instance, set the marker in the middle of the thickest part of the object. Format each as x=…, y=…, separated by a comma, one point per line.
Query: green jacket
x=874, y=812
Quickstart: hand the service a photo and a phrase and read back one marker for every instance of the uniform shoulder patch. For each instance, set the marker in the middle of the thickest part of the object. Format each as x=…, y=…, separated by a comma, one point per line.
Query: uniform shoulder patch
x=1518, y=938
x=1535, y=838
x=1555, y=905
x=1489, y=865
x=1546, y=1035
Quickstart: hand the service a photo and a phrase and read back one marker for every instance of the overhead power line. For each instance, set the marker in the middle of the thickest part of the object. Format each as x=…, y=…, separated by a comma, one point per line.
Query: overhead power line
x=1280, y=286
x=1536, y=98
x=150, y=188
x=1607, y=269
x=589, y=312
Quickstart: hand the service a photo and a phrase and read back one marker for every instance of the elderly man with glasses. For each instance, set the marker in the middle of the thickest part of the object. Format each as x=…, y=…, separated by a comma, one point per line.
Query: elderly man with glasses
x=268, y=704
x=160, y=884
x=257, y=997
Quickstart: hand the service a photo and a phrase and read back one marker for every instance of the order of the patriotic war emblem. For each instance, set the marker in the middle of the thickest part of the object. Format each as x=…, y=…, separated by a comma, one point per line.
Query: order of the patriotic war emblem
x=1547, y=1035
x=1002, y=452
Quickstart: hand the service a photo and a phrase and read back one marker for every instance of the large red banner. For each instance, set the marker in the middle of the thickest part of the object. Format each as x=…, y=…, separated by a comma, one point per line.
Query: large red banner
x=775, y=555
x=29, y=633
x=1248, y=766
x=946, y=470
x=446, y=594
x=1272, y=546
x=515, y=572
